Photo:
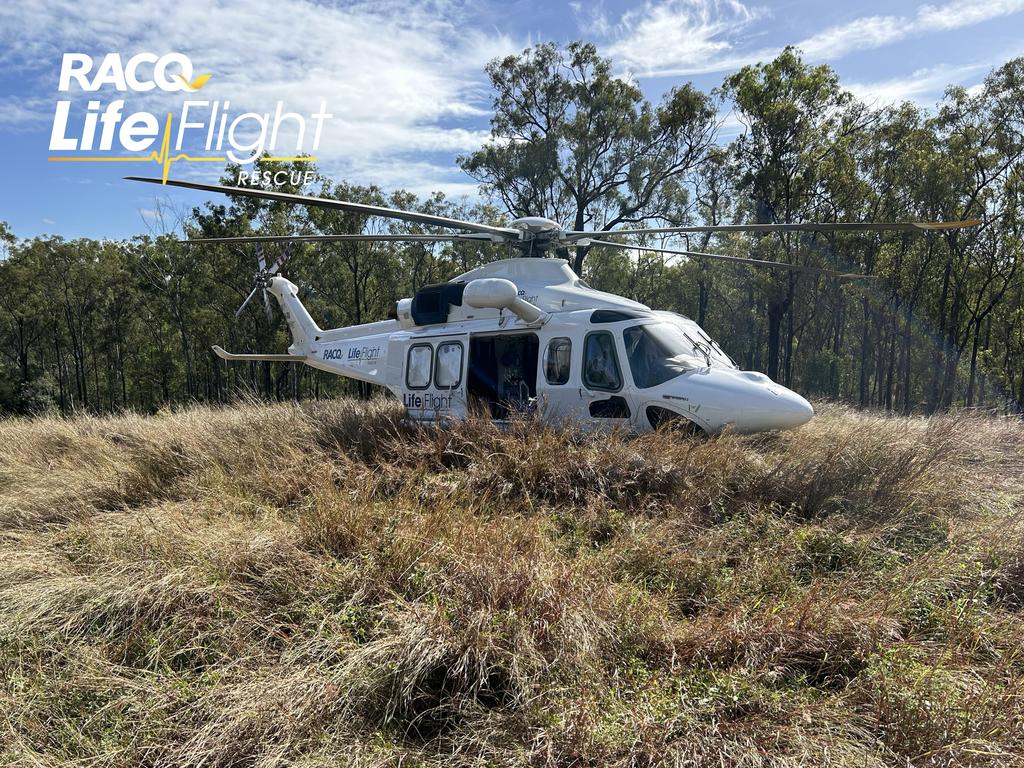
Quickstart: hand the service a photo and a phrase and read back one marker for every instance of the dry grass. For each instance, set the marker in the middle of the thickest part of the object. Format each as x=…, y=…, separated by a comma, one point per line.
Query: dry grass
x=324, y=585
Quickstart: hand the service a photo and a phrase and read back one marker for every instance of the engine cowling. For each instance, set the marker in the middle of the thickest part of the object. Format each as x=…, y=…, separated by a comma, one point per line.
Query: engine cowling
x=499, y=293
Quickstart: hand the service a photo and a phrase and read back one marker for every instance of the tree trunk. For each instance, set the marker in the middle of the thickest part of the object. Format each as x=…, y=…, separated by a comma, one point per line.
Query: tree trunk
x=790, y=335
x=774, y=333
x=864, y=344
x=938, y=378
x=907, y=359
x=702, y=294
x=837, y=343
x=983, y=379
x=972, y=378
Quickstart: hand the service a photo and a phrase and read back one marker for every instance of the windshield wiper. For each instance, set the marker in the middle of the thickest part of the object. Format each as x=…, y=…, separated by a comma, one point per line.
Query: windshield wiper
x=700, y=347
x=714, y=346
x=705, y=350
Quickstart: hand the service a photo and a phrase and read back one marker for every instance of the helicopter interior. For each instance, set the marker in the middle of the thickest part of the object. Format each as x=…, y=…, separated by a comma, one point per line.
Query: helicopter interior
x=503, y=372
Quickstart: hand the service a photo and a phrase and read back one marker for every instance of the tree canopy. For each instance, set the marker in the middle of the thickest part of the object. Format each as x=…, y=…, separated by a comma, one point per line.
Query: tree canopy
x=572, y=142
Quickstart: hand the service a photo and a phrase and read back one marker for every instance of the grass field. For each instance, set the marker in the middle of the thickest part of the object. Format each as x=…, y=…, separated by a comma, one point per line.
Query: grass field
x=275, y=585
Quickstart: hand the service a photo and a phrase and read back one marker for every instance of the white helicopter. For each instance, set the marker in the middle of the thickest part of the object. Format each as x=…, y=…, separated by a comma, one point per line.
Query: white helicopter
x=527, y=335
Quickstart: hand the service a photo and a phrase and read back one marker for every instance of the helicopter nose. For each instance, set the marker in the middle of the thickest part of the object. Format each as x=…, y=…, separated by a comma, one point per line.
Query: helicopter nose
x=794, y=410
x=776, y=408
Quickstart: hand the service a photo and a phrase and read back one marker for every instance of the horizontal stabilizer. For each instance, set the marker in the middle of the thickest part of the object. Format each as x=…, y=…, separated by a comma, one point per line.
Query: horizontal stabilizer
x=225, y=355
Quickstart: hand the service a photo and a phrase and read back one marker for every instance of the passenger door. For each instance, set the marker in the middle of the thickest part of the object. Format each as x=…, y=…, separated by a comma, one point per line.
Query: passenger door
x=558, y=381
x=602, y=390
x=434, y=378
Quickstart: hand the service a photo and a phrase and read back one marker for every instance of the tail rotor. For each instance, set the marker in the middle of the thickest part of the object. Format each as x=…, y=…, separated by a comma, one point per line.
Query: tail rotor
x=262, y=277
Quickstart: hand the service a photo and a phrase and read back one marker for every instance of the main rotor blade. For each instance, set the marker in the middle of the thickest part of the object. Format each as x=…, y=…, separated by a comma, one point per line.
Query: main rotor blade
x=259, y=257
x=324, y=202
x=841, y=226
x=338, y=238
x=740, y=259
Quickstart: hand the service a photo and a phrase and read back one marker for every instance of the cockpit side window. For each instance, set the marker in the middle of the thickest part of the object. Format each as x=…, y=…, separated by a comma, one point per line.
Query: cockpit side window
x=601, y=363
x=557, y=360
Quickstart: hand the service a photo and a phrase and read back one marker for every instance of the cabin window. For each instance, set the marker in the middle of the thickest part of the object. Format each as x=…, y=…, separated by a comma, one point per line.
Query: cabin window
x=448, y=371
x=557, y=360
x=601, y=363
x=417, y=370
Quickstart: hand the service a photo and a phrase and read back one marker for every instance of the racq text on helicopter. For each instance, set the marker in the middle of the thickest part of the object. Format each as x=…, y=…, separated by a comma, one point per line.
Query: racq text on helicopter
x=527, y=335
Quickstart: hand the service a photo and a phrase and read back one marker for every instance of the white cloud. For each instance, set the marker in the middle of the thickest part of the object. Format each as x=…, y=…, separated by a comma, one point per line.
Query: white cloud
x=681, y=36
x=870, y=32
x=729, y=126
x=688, y=37
x=591, y=18
x=25, y=111
x=923, y=87
x=860, y=34
x=955, y=15
x=419, y=177
x=400, y=78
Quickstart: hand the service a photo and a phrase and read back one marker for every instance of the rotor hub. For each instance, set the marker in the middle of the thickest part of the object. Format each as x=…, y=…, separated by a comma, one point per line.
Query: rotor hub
x=539, y=233
x=535, y=225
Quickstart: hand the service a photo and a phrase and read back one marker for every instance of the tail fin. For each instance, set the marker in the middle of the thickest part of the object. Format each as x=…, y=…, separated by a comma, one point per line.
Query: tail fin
x=303, y=330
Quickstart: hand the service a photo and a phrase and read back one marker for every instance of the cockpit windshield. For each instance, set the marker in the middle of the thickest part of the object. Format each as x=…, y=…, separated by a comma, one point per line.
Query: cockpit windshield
x=658, y=352
x=703, y=345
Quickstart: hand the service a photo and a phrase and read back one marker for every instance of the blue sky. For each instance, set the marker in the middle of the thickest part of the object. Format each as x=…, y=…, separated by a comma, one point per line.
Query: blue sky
x=405, y=81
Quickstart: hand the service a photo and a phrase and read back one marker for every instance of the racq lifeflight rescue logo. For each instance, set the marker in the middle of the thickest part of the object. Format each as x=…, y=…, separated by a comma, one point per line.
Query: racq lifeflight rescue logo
x=109, y=126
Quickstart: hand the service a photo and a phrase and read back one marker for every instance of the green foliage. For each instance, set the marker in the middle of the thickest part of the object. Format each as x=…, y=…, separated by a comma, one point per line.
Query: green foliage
x=574, y=141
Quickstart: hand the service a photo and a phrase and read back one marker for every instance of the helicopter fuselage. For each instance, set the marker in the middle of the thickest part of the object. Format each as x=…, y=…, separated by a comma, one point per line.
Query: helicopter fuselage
x=526, y=336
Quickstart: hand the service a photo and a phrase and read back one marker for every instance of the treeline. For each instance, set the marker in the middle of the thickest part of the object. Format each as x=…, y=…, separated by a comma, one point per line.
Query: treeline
x=99, y=326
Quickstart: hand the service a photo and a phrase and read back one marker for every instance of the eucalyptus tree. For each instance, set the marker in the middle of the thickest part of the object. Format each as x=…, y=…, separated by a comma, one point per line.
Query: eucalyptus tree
x=572, y=141
x=795, y=117
x=981, y=139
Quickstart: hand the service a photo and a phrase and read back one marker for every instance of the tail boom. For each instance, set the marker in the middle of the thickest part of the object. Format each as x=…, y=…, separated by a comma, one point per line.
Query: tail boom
x=359, y=352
